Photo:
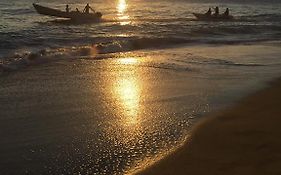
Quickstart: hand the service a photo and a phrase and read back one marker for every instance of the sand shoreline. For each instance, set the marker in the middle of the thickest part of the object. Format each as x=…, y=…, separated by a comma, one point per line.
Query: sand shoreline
x=242, y=140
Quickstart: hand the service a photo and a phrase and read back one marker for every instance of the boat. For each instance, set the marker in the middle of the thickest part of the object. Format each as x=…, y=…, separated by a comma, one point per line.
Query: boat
x=207, y=17
x=73, y=15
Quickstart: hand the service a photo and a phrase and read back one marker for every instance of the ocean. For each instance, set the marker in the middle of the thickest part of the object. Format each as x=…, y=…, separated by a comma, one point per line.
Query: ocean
x=133, y=25
x=111, y=97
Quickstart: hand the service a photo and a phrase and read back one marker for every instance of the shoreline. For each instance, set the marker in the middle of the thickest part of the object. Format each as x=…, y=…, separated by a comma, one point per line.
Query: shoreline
x=240, y=140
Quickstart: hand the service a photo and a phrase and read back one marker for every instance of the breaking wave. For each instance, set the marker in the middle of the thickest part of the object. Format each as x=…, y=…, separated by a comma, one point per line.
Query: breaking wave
x=22, y=59
x=101, y=50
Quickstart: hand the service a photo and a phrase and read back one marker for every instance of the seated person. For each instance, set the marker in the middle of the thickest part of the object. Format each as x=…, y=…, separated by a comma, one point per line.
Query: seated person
x=209, y=12
x=67, y=9
x=226, y=13
x=216, y=11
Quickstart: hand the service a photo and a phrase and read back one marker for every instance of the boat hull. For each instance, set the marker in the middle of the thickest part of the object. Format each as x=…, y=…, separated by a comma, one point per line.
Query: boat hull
x=222, y=17
x=77, y=16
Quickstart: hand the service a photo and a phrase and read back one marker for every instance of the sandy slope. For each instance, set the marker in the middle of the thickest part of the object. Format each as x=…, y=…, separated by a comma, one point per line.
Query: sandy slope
x=242, y=140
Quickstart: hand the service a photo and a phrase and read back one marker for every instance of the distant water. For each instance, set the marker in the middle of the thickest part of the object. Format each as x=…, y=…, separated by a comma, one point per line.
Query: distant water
x=131, y=25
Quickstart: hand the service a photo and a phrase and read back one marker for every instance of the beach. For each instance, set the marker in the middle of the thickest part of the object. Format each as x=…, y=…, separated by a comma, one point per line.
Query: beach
x=243, y=139
x=114, y=115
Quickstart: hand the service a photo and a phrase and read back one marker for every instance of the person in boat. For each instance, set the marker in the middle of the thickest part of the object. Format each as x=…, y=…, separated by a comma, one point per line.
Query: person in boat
x=67, y=9
x=216, y=11
x=226, y=13
x=87, y=9
x=209, y=12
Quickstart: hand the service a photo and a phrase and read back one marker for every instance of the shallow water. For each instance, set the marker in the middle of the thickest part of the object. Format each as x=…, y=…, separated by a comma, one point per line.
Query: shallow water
x=106, y=98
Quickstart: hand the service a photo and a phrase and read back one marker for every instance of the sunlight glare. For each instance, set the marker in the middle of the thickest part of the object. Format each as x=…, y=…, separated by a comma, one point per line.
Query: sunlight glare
x=129, y=60
x=122, y=16
x=129, y=93
x=121, y=7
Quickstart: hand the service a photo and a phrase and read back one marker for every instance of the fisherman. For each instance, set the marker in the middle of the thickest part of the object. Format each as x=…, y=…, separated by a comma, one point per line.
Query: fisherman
x=209, y=12
x=87, y=9
x=226, y=13
x=67, y=9
x=216, y=11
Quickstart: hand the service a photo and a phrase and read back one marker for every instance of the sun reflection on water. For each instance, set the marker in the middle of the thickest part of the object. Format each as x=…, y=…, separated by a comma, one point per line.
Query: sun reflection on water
x=129, y=94
x=128, y=91
x=122, y=5
x=129, y=60
x=122, y=88
x=121, y=9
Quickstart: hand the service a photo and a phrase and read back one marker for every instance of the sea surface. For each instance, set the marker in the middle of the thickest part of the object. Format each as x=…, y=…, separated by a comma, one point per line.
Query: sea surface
x=132, y=25
x=114, y=96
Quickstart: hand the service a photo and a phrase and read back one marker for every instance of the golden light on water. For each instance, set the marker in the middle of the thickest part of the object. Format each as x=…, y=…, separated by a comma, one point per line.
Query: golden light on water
x=129, y=95
x=122, y=87
x=128, y=92
x=121, y=9
x=129, y=60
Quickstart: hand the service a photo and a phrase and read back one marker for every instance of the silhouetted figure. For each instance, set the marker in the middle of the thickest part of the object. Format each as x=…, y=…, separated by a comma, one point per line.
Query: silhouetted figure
x=216, y=11
x=87, y=9
x=77, y=10
x=226, y=13
x=67, y=9
x=209, y=12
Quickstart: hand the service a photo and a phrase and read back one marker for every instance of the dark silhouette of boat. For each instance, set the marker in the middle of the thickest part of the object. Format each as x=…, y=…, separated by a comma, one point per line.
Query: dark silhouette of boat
x=206, y=17
x=73, y=15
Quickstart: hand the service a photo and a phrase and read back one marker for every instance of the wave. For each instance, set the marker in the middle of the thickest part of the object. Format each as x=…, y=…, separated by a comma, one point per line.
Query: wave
x=102, y=50
x=140, y=43
x=17, y=11
x=262, y=17
x=105, y=19
x=143, y=32
x=245, y=41
x=203, y=33
x=169, y=66
x=26, y=58
x=95, y=51
x=199, y=60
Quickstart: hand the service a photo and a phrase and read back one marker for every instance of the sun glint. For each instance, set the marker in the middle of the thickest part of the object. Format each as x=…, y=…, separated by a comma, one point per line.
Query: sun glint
x=121, y=7
x=129, y=60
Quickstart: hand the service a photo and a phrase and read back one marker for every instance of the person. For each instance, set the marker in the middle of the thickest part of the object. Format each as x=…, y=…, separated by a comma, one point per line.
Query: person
x=216, y=11
x=209, y=12
x=226, y=13
x=67, y=9
x=87, y=9
x=77, y=10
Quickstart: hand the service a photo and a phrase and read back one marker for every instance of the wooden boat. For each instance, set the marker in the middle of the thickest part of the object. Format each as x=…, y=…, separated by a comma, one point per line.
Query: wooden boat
x=222, y=17
x=73, y=15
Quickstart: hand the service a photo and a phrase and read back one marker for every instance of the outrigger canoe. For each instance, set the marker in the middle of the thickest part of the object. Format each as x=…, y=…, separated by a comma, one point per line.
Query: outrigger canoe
x=73, y=15
x=222, y=17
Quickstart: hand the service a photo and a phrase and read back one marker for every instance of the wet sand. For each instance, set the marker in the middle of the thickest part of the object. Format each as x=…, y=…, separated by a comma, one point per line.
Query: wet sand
x=242, y=140
x=110, y=114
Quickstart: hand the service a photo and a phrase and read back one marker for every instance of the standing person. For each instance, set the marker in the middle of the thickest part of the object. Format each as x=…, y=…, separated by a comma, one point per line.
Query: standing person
x=67, y=9
x=87, y=9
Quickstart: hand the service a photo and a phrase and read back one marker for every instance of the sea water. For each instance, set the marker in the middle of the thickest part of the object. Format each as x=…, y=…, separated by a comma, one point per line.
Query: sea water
x=134, y=24
x=112, y=96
